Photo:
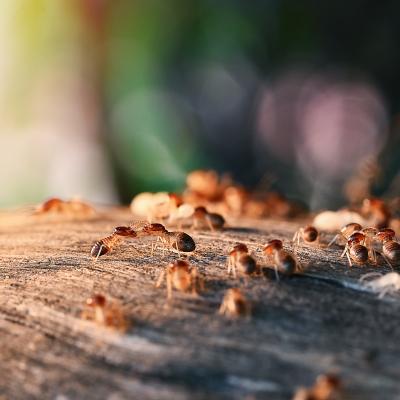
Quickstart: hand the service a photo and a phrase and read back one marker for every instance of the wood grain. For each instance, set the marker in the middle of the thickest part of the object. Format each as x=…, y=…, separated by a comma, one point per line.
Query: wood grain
x=323, y=321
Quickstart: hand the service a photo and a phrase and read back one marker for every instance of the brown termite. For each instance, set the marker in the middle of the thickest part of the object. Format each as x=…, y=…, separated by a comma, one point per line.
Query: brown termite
x=390, y=247
x=371, y=237
x=105, y=245
x=150, y=230
x=105, y=313
x=199, y=217
x=345, y=232
x=325, y=387
x=51, y=205
x=181, y=276
x=284, y=261
x=202, y=217
x=366, y=238
x=69, y=207
x=179, y=241
x=308, y=234
x=234, y=304
x=354, y=250
x=239, y=260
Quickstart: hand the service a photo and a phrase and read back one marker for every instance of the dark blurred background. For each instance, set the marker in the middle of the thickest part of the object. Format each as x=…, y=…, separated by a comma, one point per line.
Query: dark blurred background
x=104, y=99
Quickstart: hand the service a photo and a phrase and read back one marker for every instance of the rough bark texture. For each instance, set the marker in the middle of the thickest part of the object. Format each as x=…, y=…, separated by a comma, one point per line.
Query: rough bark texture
x=323, y=321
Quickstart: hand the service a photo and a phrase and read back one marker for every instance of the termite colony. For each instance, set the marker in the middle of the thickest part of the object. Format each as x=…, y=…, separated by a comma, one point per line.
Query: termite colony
x=366, y=234
x=203, y=205
x=206, y=198
x=200, y=207
x=362, y=245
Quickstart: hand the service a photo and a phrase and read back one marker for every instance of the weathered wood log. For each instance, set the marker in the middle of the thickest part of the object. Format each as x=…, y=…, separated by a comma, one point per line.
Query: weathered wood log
x=321, y=321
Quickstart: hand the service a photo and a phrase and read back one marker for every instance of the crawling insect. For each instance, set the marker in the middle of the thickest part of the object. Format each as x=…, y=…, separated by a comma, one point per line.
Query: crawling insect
x=151, y=231
x=239, y=260
x=181, y=276
x=234, y=304
x=345, y=232
x=390, y=247
x=73, y=207
x=284, y=261
x=179, y=241
x=325, y=387
x=198, y=217
x=308, y=234
x=354, y=250
x=105, y=313
x=384, y=284
x=202, y=217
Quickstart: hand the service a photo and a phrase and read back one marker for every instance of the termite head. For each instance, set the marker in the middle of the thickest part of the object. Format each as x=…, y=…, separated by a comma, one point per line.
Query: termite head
x=154, y=229
x=183, y=242
x=240, y=248
x=350, y=228
x=355, y=238
x=180, y=264
x=50, y=204
x=99, y=249
x=385, y=235
x=125, y=231
x=390, y=232
x=97, y=300
x=310, y=234
x=272, y=246
x=200, y=212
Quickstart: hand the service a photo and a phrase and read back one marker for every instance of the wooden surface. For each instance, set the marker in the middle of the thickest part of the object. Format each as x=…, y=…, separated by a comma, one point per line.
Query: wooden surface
x=321, y=322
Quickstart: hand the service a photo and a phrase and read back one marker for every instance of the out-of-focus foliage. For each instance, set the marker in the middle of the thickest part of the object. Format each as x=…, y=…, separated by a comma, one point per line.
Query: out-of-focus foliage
x=104, y=98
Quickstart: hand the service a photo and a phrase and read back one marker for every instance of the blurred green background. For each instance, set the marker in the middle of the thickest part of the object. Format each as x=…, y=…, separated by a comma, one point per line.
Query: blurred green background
x=104, y=99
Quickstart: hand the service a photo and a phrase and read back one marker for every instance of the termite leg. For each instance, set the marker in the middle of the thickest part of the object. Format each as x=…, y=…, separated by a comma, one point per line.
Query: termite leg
x=160, y=279
x=276, y=272
x=333, y=240
x=99, y=252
